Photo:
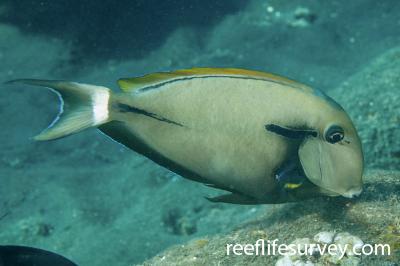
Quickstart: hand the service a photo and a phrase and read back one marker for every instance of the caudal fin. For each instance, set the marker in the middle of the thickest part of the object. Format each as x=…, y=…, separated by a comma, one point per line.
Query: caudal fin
x=81, y=106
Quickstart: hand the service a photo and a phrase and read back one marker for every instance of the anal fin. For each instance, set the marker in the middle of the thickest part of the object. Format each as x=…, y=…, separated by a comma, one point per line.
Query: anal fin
x=234, y=198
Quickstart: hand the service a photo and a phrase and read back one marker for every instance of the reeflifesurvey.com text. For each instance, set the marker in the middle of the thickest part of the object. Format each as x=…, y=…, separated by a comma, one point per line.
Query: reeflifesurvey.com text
x=264, y=247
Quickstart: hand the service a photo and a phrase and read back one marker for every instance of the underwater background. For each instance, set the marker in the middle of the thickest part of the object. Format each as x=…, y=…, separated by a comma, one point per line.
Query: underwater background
x=98, y=203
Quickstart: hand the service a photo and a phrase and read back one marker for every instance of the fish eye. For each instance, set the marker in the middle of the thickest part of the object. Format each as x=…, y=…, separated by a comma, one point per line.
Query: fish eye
x=334, y=134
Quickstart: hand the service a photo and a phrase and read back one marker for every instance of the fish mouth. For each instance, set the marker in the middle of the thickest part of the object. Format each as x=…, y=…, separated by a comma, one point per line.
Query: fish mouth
x=352, y=193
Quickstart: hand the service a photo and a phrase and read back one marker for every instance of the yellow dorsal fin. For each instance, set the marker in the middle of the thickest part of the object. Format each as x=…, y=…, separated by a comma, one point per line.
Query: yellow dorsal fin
x=130, y=84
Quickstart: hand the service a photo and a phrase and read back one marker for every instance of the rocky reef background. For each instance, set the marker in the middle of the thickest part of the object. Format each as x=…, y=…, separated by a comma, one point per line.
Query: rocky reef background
x=373, y=218
x=94, y=201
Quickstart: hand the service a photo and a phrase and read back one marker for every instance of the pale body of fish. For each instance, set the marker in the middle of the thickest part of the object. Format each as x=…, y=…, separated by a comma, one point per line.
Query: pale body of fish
x=232, y=129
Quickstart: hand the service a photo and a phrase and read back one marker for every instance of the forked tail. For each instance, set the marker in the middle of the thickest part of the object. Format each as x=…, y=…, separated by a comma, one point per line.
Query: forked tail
x=81, y=106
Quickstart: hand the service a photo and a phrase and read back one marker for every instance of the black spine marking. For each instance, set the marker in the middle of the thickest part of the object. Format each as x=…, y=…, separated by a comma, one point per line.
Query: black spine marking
x=124, y=108
x=291, y=133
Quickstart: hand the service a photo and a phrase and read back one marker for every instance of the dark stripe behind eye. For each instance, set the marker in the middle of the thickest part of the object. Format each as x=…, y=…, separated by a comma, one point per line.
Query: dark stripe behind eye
x=291, y=133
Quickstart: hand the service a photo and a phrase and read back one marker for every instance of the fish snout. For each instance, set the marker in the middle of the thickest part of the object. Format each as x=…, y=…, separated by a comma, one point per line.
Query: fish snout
x=351, y=193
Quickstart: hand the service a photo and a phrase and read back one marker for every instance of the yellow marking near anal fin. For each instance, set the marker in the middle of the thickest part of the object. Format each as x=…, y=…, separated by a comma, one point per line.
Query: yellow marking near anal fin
x=292, y=185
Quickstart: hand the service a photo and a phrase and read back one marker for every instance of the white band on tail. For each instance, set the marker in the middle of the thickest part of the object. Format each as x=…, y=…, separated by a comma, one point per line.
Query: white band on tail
x=100, y=106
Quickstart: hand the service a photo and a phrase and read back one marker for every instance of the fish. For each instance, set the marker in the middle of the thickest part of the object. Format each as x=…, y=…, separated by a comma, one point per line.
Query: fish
x=11, y=255
x=262, y=138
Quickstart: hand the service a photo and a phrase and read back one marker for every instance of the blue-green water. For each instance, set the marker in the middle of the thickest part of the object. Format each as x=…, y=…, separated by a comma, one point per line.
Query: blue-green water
x=99, y=203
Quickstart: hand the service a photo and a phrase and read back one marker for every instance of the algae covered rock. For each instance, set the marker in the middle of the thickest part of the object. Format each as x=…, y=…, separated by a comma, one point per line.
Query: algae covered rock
x=327, y=247
x=371, y=219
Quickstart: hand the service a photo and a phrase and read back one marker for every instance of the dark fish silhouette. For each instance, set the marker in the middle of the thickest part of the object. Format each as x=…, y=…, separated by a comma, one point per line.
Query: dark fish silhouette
x=28, y=256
